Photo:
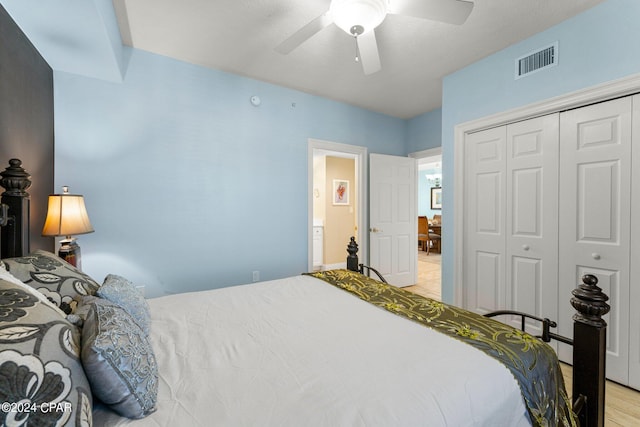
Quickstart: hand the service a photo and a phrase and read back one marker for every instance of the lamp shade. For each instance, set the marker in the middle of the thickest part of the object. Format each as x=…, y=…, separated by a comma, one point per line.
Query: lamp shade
x=66, y=216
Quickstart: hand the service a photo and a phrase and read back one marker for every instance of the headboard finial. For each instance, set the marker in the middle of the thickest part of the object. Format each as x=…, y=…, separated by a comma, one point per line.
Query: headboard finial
x=590, y=302
x=15, y=179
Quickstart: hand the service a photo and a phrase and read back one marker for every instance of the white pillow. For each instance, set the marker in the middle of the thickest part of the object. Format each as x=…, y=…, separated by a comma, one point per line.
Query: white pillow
x=5, y=275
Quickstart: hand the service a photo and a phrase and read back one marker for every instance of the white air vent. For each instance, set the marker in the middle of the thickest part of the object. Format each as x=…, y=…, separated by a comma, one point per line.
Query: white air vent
x=536, y=61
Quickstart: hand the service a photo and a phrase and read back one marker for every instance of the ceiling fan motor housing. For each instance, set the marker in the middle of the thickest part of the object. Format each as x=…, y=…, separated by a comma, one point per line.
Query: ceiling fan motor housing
x=356, y=17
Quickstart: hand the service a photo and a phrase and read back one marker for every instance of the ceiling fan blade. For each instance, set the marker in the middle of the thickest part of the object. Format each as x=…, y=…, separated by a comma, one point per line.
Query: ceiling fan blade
x=368, y=49
x=304, y=33
x=448, y=11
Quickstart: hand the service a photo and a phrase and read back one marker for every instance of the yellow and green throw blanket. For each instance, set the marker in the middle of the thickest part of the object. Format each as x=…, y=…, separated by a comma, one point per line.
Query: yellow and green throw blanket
x=532, y=362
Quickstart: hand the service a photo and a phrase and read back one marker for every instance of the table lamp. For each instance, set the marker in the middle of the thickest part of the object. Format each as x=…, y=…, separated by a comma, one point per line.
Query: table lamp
x=67, y=215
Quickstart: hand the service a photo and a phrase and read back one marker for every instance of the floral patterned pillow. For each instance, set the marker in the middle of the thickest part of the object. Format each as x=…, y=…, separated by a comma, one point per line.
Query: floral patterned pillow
x=42, y=382
x=5, y=275
x=58, y=280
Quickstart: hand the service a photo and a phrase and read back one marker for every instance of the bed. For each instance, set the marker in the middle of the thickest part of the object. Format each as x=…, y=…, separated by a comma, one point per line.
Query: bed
x=334, y=348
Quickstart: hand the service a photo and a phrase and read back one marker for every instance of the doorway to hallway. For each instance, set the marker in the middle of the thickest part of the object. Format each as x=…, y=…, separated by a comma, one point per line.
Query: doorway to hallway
x=429, y=188
x=336, y=204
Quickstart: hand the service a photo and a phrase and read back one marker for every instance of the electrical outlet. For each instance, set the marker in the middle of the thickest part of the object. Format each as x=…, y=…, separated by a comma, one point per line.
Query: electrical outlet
x=256, y=276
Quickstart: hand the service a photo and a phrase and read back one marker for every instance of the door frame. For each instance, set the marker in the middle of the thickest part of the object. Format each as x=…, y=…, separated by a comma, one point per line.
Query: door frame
x=431, y=152
x=419, y=155
x=362, y=217
x=602, y=92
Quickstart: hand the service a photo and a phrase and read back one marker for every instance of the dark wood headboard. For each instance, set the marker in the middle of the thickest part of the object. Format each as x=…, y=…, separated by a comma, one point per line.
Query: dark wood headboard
x=27, y=119
x=15, y=208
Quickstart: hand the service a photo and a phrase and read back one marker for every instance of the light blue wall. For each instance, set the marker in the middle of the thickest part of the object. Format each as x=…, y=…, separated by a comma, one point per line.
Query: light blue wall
x=187, y=184
x=424, y=131
x=597, y=46
x=424, y=192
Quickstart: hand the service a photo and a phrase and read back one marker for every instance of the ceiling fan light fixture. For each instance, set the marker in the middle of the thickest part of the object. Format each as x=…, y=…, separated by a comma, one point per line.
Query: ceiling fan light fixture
x=365, y=15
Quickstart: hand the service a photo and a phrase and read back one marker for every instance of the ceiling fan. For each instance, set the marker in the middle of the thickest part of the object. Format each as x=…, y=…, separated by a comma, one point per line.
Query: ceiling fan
x=359, y=18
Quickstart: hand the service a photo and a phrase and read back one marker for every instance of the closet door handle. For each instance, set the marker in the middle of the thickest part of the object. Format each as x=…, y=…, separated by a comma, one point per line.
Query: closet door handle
x=525, y=247
x=595, y=255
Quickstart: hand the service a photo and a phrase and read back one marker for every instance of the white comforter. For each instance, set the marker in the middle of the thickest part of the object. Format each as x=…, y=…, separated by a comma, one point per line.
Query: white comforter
x=299, y=352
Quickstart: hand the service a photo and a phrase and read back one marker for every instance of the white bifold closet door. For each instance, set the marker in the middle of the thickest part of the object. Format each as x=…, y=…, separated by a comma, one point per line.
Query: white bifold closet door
x=634, y=282
x=595, y=217
x=548, y=200
x=511, y=221
x=484, y=218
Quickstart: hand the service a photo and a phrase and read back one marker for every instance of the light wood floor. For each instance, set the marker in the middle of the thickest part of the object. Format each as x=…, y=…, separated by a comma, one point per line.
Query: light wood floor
x=428, y=276
x=622, y=404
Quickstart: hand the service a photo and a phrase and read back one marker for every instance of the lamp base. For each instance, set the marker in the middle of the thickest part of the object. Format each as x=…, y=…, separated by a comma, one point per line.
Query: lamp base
x=70, y=252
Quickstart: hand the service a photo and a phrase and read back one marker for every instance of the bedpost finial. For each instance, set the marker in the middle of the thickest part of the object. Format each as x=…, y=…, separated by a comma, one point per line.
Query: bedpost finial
x=352, y=258
x=15, y=179
x=352, y=247
x=590, y=302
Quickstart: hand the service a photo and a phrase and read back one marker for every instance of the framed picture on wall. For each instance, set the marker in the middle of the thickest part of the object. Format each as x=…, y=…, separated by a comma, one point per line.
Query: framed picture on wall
x=340, y=192
x=436, y=197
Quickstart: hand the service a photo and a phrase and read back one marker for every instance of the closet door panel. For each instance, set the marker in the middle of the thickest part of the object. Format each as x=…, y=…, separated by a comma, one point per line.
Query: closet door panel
x=484, y=238
x=532, y=218
x=595, y=194
x=634, y=292
x=598, y=210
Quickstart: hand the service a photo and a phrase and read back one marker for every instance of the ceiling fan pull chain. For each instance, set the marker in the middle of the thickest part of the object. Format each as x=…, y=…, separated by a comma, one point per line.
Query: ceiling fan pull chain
x=357, y=30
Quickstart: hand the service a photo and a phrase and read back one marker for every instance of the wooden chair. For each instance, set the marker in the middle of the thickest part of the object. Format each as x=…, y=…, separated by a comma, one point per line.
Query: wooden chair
x=423, y=233
x=426, y=237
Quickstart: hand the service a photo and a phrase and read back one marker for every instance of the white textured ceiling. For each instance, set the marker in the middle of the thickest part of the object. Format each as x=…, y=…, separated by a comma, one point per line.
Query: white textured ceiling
x=239, y=36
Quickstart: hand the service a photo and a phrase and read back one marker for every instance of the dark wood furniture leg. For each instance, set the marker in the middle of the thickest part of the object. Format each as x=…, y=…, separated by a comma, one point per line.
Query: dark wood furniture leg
x=589, y=351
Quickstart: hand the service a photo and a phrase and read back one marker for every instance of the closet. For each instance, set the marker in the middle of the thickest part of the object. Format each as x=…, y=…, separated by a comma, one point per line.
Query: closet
x=547, y=200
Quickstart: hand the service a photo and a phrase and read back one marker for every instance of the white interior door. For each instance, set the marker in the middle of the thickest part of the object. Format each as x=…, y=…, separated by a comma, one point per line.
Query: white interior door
x=393, y=229
x=595, y=194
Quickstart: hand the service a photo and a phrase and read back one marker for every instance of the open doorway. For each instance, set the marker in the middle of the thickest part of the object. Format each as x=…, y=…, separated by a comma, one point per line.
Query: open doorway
x=429, y=204
x=337, y=202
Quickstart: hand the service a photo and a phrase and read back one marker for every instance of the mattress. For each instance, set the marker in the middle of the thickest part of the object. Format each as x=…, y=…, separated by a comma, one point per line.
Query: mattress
x=298, y=351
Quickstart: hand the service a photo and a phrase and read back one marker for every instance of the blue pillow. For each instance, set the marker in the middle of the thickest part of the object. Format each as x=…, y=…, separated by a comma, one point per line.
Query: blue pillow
x=122, y=292
x=119, y=361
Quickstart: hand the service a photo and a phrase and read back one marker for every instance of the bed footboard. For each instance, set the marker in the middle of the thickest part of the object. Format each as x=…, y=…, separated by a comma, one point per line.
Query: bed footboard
x=547, y=324
x=589, y=348
x=589, y=341
x=353, y=265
